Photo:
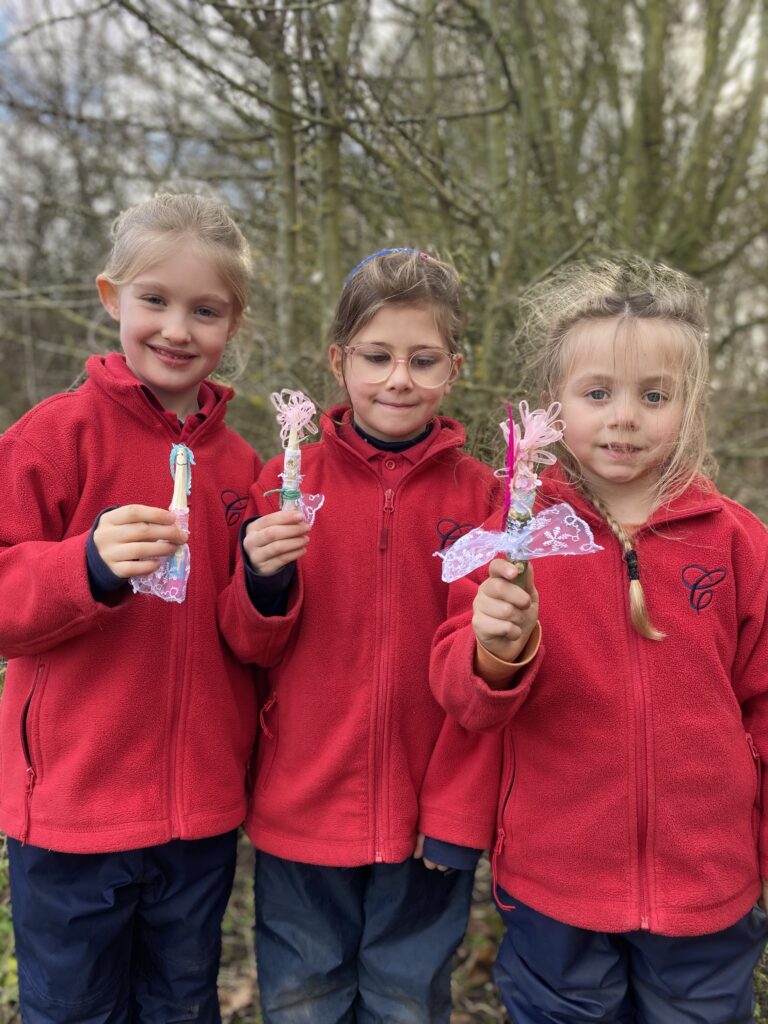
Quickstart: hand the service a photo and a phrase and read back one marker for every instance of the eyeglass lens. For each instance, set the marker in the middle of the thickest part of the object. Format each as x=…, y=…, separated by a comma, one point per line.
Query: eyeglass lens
x=429, y=367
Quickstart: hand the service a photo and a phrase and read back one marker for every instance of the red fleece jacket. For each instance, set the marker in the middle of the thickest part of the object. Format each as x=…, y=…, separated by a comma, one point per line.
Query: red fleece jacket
x=125, y=725
x=631, y=795
x=350, y=727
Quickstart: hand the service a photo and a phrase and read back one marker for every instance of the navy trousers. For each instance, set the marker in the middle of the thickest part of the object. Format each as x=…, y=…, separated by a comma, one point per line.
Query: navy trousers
x=122, y=937
x=548, y=971
x=367, y=945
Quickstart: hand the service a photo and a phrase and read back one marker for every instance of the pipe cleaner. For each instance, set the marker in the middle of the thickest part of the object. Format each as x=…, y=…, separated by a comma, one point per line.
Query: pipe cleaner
x=553, y=531
x=294, y=414
x=169, y=580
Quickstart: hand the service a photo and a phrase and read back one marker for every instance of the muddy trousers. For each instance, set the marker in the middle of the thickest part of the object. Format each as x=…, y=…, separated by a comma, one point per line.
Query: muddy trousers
x=113, y=938
x=366, y=945
x=548, y=971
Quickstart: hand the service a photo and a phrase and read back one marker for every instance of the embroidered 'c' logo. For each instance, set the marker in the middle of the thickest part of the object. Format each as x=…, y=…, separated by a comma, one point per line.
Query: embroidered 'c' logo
x=449, y=531
x=234, y=506
x=701, y=583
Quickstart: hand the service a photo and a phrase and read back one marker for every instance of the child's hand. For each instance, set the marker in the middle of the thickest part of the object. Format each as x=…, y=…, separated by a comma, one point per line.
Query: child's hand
x=763, y=901
x=418, y=854
x=505, y=610
x=275, y=540
x=132, y=540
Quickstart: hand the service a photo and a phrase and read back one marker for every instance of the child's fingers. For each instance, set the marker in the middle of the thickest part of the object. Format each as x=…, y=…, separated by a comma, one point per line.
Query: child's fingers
x=502, y=568
x=126, y=560
x=488, y=629
x=286, y=518
x=138, y=514
x=431, y=866
x=269, y=558
x=505, y=591
x=143, y=567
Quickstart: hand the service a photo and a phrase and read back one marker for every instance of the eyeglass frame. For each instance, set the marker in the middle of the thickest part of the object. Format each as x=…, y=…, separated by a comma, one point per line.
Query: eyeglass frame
x=452, y=356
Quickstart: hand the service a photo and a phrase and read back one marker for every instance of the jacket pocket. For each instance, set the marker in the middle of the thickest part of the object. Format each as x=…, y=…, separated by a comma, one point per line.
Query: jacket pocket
x=268, y=718
x=30, y=720
x=30, y=732
x=757, y=803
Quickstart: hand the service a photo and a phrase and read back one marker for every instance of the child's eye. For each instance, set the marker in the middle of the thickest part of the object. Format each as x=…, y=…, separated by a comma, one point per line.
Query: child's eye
x=597, y=394
x=374, y=357
x=654, y=397
x=206, y=312
x=152, y=300
x=423, y=360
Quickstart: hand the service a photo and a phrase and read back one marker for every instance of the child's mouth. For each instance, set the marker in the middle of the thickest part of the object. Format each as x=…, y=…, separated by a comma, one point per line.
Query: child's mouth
x=173, y=356
x=621, y=449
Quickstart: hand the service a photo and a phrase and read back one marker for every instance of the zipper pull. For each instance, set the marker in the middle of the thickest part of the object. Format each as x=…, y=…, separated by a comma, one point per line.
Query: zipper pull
x=263, y=715
x=752, y=747
x=501, y=835
x=389, y=508
x=27, y=800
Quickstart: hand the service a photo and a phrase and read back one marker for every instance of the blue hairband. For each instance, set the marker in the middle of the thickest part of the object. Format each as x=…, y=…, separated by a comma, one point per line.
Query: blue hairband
x=381, y=252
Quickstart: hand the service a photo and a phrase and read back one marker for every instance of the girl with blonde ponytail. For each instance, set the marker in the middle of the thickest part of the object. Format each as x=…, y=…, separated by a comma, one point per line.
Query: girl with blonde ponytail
x=630, y=687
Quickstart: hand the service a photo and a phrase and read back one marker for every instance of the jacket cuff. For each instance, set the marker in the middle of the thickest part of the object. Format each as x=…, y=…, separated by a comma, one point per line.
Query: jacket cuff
x=450, y=855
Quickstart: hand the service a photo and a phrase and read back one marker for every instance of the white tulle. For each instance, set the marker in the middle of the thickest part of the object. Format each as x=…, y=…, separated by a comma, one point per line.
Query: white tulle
x=169, y=580
x=554, y=531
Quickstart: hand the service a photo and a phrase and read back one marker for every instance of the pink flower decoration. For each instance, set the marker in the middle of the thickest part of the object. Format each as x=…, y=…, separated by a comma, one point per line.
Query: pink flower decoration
x=294, y=413
x=537, y=431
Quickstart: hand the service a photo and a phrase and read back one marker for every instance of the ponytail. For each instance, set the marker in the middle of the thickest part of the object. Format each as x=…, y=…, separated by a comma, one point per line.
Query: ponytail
x=637, y=607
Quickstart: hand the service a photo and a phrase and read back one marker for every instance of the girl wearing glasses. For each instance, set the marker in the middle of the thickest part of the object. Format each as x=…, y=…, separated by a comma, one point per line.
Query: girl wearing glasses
x=350, y=926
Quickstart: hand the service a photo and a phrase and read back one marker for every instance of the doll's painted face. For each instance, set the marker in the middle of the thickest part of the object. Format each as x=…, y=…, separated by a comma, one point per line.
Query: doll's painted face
x=406, y=341
x=175, y=319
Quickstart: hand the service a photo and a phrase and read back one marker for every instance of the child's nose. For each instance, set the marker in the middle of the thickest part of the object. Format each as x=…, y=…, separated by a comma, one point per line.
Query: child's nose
x=175, y=329
x=400, y=376
x=625, y=414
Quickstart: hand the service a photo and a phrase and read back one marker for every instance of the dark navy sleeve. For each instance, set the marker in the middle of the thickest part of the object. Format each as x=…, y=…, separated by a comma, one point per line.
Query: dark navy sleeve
x=448, y=855
x=103, y=582
x=268, y=594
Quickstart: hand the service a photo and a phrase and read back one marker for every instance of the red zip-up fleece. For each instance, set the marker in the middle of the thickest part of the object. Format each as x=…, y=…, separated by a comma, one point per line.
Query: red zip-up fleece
x=350, y=725
x=631, y=795
x=126, y=725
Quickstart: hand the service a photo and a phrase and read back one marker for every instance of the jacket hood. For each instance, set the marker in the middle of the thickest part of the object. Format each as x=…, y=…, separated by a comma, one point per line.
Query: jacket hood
x=452, y=433
x=108, y=373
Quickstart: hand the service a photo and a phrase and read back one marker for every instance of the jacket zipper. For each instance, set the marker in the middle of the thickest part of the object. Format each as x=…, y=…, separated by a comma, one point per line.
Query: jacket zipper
x=30, y=770
x=641, y=774
x=501, y=835
x=389, y=508
x=178, y=684
x=758, y=765
x=379, y=782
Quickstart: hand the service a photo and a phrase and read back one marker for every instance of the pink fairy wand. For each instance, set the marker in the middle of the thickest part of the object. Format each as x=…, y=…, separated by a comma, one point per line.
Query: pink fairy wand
x=169, y=580
x=294, y=414
x=526, y=447
x=554, y=531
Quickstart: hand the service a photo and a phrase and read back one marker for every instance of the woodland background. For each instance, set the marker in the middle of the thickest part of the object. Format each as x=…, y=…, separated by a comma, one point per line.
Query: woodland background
x=508, y=137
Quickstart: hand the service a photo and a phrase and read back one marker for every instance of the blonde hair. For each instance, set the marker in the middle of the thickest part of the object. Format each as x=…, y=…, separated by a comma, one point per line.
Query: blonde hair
x=628, y=289
x=148, y=232
x=399, y=277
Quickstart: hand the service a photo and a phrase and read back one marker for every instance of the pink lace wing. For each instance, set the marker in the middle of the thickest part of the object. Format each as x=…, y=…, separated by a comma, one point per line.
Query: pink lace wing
x=557, y=531
x=554, y=531
x=470, y=552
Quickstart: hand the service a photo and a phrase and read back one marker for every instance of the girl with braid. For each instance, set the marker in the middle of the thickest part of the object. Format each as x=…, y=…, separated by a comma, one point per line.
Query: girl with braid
x=631, y=688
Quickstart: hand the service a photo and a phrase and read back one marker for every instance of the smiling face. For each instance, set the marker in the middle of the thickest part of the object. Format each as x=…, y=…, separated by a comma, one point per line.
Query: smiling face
x=622, y=403
x=395, y=409
x=175, y=319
